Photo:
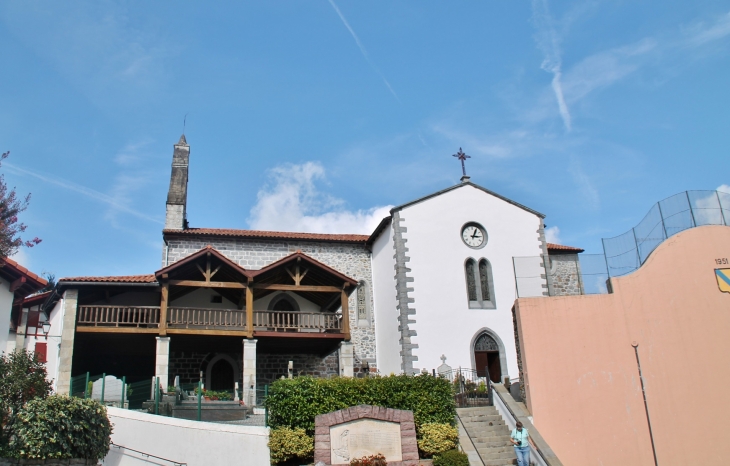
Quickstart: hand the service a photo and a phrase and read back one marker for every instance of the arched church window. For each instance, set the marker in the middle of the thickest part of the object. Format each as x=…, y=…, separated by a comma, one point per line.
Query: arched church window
x=283, y=302
x=486, y=343
x=471, y=284
x=363, y=304
x=479, y=284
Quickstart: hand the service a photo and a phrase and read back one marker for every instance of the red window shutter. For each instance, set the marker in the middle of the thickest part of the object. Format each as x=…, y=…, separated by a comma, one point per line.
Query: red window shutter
x=33, y=318
x=40, y=350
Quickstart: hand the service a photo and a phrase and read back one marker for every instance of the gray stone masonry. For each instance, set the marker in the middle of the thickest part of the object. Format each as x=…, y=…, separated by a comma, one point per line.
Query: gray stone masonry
x=405, y=310
x=565, y=272
x=188, y=365
x=352, y=260
x=270, y=367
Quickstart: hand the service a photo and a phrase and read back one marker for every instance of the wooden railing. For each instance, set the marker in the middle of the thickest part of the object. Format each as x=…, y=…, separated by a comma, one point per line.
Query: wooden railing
x=297, y=321
x=209, y=319
x=119, y=316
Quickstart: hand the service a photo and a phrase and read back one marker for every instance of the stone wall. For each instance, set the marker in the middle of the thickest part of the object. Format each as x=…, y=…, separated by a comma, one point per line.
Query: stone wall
x=188, y=365
x=565, y=272
x=270, y=367
x=352, y=260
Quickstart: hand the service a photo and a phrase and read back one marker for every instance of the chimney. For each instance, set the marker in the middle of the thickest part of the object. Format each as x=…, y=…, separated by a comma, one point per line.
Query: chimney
x=177, y=196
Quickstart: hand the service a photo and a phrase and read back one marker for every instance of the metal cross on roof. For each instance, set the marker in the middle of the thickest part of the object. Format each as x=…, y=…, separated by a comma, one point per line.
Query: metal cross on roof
x=462, y=156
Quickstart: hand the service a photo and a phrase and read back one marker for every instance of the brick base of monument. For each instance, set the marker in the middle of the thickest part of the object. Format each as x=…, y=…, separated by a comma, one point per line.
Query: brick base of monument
x=323, y=423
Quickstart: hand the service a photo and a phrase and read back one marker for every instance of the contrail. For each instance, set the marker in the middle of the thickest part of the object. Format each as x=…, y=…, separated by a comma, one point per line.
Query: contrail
x=547, y=41
x=362, y=49
x=88, y=192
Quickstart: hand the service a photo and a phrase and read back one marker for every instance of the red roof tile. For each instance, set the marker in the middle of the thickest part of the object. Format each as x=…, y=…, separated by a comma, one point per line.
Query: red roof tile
x=226, y=232
x=23, y=271
x=560, y=247
x=150, y=278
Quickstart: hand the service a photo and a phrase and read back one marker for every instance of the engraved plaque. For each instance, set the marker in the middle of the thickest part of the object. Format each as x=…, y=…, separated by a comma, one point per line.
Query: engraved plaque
x=365, y=437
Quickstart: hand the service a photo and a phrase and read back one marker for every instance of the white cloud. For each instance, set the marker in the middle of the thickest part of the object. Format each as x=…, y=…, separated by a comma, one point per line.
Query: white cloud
x=292, y=202
x=701, y=33
x=724, y=188
x=552, y=235
x=22, y=257
x=585, y=184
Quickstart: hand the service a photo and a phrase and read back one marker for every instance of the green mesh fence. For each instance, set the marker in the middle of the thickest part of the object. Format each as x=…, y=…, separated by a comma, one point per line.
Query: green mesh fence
x=138, y=393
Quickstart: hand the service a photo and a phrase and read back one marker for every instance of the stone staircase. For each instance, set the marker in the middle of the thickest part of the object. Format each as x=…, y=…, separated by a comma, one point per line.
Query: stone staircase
x=489, y=434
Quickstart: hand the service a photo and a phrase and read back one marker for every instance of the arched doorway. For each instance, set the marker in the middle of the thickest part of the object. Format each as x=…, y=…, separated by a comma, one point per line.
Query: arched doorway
x=222, y=375
x=486, y=358
x=285, y=303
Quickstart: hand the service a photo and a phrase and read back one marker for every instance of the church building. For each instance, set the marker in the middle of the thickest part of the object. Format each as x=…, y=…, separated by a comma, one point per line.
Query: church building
x=435, y=280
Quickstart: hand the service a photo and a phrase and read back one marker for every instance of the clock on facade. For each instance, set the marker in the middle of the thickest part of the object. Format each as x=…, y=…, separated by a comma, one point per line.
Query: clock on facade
x=474, y=235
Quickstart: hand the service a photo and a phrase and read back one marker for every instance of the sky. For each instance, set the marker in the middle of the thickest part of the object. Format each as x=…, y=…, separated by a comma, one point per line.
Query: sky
x=321, y=115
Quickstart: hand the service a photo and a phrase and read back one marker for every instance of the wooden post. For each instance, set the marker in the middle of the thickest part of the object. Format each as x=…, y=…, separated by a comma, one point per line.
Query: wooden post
x=345, y=313
x=163, y=308
x=249, y=311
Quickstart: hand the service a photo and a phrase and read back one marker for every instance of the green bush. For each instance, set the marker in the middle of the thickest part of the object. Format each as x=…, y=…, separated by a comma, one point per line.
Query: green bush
x=296, y=402
x=61, y=427
x=437, y=438
x=451, y=458
x=286, y=444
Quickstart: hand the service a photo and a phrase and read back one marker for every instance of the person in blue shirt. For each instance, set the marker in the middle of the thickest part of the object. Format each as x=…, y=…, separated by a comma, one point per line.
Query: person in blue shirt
x=521, y=440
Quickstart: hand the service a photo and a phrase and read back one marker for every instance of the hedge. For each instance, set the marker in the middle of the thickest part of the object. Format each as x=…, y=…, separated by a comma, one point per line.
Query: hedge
x=61, y=427
x=296, y=402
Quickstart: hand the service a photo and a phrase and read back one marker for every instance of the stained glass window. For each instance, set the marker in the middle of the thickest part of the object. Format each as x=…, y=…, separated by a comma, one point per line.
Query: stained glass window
x=471, y=280
x=484, y=279
x=486, y=343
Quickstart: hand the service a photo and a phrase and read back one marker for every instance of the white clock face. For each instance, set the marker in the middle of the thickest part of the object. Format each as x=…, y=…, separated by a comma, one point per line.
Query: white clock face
x=473, y=235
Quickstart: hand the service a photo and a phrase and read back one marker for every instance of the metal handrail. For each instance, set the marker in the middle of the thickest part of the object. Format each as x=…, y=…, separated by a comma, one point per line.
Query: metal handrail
x=175, y=463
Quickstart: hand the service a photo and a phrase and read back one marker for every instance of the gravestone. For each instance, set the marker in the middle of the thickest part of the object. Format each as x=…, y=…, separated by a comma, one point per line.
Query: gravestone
x=443, y=368
x=347, y=434
x=112, y=390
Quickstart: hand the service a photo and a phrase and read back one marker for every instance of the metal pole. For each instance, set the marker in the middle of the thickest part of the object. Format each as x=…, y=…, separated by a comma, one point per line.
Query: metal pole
x=86, y=387
x=694, y=222
x=646, y=406
x=157, y=395
x=605, y=257
x=722, y=213
x=266, y=406
x=124, y=387
x=661, y=214
x=103, y=384
x=200, y=395
x=636, y=242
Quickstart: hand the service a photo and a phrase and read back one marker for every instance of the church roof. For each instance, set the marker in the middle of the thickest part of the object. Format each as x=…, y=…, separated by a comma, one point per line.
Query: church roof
x=563, y=248
x=232, y=233
x=473, y=185
x=147, y=278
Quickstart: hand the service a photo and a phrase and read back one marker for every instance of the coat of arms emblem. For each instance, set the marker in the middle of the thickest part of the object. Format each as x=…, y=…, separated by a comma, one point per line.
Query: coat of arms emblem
x=723, y=279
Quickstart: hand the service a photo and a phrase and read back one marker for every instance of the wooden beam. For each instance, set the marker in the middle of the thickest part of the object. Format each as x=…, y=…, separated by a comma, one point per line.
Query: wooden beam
x=278, y=287
x=249, y=310
x=163, y=308
x=17, y=284
x=192, y=331
x=202, y=284
x=82, y=329
x=345, y=314
x=322, y=336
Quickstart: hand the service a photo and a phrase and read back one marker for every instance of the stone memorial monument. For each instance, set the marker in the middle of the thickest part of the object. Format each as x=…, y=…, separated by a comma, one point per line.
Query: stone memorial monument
x=352, y=433
x=112, y=390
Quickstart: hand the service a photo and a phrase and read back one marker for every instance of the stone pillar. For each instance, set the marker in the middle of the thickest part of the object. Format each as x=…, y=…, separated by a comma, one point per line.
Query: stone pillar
x=162, y=361
x=249, y=372
x=70, y=305
x=347, y=359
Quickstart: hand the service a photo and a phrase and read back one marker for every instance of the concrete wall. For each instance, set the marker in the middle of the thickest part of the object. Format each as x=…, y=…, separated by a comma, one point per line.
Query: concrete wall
x=191, y=442
x=6, y=306
x=580, y=368
x=443, y=320
x=52, y=340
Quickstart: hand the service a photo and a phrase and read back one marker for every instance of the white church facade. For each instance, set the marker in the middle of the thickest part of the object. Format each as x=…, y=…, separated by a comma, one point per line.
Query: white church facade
x=245, y=307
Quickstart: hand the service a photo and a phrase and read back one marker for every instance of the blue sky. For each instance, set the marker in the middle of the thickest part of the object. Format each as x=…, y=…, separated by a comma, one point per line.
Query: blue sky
x=318, y=115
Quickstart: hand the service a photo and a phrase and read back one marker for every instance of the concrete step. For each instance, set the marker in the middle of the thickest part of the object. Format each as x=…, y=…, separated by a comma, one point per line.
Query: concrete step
x=496, y=449
x=502, y=455
x=500, y=462
x=490, y=423
x=497, y=440
x=481, y=418
x=488, y=431
x=477, y=410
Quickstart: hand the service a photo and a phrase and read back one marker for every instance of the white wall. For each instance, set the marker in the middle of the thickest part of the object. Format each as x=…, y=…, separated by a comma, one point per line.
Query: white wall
x=180, y=440
x=53, y=341
x=444, y=322
x=387, y=337
x=304, y=305
x=6, y=306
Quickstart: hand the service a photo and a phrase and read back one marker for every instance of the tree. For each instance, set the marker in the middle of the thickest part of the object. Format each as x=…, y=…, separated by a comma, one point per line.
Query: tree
x=10, y=207
x=22, y=378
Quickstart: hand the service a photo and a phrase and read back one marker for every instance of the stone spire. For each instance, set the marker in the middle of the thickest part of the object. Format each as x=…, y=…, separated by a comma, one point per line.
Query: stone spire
x=177, y=196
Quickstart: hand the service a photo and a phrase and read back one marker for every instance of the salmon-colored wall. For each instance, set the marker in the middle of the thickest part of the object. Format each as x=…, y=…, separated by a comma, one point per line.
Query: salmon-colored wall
x=580, y=369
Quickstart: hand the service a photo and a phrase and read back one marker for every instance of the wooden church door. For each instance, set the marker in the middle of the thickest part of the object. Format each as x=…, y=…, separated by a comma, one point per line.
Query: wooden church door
x=486, y=358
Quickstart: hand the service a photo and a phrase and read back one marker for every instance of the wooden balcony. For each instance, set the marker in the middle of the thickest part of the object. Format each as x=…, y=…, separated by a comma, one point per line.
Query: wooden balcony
x=204, y=321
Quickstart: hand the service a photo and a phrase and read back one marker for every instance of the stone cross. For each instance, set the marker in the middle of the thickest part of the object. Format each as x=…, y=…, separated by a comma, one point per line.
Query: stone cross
x=443, y=359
